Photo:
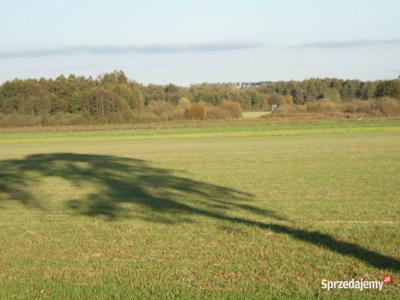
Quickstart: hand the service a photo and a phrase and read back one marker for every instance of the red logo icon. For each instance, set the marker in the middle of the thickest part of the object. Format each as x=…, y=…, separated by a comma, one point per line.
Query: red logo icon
x=387, y=279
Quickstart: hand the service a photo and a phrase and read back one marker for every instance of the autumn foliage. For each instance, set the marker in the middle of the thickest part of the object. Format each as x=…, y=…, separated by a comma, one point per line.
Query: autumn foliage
x=196, y=111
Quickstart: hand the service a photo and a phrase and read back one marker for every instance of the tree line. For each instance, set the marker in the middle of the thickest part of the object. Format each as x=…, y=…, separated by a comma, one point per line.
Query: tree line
x=113, y=94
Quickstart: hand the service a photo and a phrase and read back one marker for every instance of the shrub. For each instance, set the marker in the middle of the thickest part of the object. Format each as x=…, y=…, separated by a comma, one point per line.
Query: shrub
x=116, y=117
x=70, y=119
x=217, y=113
x=196, y=111
x=358, y=106
x=388, y=106
x=159, y=107
x=321, y=106
x=176, y=114
x=233, y=109
x=147, y=116
x=17, y=120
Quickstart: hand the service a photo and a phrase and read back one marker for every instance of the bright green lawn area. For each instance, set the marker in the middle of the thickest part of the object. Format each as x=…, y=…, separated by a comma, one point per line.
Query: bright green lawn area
x=221, y=210
x=254, y=114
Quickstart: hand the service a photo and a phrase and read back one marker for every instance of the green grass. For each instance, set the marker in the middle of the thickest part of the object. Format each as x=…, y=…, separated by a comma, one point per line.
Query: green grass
x=254, y=114
x=194, y=130
x=199, y=210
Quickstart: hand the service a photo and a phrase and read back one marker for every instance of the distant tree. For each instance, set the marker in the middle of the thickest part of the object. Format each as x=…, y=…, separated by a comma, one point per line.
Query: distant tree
x=112, y=96
x=98, y=101
x=299, y=95
x=116, y=77
x=184, y=103
x=275, y=99
x=154, y=92
x=34, y=101
x=159, y=108
x=173, y=93
x=130, y=93
x=389, y=88
x=287, y=99
x=332, y=94
x=368, y=90
x=12, y=94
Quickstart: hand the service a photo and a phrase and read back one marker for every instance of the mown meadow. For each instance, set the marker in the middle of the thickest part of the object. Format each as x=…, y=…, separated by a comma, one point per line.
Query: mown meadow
x=193, y=210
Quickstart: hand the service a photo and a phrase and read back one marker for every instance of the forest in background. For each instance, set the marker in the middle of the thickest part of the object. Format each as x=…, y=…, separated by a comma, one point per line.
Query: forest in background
x=113, y=98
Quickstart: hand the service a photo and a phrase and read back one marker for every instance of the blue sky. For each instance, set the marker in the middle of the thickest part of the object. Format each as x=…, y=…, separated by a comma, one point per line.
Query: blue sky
x=187, y=42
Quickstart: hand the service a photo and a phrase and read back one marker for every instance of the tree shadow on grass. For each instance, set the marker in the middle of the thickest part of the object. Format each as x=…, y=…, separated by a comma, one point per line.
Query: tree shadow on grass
x=132, y=188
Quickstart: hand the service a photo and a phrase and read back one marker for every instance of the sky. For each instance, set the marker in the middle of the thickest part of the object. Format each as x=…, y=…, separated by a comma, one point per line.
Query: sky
x=187, y=41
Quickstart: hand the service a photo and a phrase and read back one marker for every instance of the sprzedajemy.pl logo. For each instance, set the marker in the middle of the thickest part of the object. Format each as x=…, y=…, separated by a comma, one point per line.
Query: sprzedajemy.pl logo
x=356, y=284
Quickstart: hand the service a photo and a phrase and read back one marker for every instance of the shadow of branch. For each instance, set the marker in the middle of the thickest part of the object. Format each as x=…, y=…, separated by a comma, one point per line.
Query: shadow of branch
x=131, y=188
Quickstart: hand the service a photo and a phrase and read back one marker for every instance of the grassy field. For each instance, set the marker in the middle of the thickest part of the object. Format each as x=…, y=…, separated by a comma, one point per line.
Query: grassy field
x=254, y=114
x=221, y=210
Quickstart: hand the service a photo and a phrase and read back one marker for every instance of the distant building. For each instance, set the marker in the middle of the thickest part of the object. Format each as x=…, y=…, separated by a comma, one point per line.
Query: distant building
x=246, y=85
